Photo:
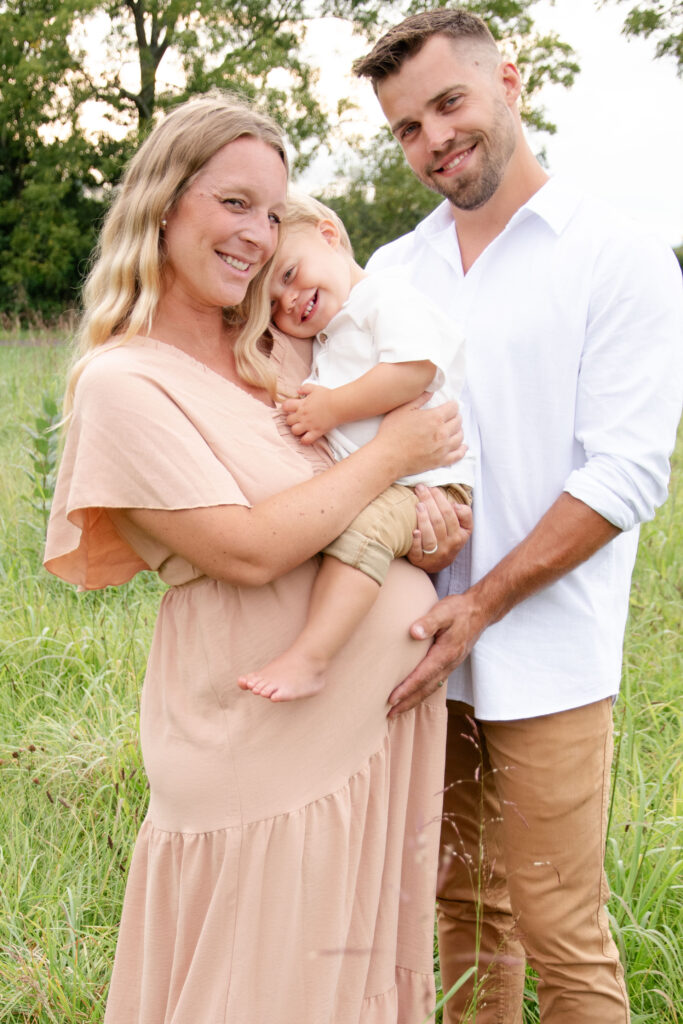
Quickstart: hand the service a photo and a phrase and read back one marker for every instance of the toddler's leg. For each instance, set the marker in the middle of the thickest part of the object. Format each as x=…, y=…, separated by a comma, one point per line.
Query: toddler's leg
x=340, y=599
x=353, y=569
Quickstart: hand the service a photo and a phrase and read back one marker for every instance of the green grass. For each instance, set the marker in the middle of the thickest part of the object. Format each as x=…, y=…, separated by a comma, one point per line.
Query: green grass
x=73, y=791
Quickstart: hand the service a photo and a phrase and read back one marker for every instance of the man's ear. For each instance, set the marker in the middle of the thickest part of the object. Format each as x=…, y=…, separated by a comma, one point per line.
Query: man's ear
x=511, y=81
x=330, y=232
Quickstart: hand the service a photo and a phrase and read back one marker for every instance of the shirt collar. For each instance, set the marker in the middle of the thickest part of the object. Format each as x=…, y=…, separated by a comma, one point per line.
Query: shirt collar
x=555, y=203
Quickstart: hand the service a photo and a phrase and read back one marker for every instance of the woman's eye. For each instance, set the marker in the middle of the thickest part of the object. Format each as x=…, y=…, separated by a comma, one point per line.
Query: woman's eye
x=287, y=276
x=238, y=203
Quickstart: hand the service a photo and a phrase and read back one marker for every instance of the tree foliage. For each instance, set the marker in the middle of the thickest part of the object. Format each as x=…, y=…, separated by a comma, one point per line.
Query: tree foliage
x=46, y=213
x=137, y=57
x=663, y=22
x=231, y=43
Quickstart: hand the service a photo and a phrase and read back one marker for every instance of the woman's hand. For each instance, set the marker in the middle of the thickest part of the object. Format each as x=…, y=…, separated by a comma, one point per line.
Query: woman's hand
x=417, y=439
x=442, y=530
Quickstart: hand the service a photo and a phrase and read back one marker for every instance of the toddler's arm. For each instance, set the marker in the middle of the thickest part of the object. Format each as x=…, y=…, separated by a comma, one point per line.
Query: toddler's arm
x=381, y=389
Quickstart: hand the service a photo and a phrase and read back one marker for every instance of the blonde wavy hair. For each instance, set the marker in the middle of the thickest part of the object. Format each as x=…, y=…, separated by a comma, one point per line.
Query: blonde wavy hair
x=255, y=310
x=304, y=209
x=124, y=286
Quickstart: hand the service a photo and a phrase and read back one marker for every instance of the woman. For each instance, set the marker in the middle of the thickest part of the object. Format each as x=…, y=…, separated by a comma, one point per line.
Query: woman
x=285, y=870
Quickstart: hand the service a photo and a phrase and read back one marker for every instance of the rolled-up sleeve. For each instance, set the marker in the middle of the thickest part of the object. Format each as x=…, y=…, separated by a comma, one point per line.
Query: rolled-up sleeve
x=630, y=382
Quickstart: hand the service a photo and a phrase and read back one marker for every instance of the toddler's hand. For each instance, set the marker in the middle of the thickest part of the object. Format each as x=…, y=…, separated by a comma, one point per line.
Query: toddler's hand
x=310, y=416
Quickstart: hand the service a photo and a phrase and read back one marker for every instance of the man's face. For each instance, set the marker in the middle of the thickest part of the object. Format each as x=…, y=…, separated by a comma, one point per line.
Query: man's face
x=451, y=108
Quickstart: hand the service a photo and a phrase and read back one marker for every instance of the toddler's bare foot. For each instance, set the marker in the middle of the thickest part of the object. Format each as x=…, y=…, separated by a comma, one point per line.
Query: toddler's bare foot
x=291, y=676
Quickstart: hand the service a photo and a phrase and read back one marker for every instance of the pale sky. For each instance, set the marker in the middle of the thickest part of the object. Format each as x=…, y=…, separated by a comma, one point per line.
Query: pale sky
x=620, y=132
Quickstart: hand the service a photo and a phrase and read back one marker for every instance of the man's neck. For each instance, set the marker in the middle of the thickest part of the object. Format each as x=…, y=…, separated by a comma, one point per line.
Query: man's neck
x=477, y=228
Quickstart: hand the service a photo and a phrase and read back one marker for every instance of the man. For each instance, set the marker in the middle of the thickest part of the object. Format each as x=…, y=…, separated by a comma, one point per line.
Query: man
x=573, y=324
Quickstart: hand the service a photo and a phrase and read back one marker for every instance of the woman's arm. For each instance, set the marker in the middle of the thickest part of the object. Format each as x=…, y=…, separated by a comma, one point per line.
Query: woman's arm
x=252, y=546
x=375, y=393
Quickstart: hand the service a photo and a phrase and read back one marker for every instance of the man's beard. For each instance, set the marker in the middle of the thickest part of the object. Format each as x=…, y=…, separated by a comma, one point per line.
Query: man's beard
x=471, y=192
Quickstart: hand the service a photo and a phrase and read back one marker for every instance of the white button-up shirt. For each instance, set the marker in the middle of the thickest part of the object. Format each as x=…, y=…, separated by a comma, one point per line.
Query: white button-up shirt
x=573, y=321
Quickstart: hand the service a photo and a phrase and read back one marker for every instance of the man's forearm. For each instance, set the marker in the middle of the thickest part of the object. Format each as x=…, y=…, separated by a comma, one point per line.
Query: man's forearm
x=568, y=534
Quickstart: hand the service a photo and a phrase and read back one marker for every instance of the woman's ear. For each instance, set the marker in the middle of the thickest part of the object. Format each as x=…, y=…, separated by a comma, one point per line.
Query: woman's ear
x=330, y=232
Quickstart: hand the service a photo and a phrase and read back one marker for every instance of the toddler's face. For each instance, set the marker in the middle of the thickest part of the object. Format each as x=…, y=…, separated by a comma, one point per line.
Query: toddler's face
x=311, y=280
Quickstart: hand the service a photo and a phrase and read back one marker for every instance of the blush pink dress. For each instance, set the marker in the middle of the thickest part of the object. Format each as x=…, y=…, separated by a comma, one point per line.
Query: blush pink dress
x=286, y=869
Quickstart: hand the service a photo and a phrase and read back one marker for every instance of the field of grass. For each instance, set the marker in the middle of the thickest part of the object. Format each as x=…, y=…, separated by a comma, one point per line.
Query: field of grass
x=72, y=789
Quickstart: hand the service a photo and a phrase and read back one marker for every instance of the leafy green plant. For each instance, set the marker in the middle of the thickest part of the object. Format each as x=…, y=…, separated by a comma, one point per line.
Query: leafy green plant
x=42, y=451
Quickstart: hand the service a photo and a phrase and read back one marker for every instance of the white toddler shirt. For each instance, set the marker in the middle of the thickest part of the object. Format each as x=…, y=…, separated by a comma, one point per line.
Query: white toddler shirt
x=387, y=320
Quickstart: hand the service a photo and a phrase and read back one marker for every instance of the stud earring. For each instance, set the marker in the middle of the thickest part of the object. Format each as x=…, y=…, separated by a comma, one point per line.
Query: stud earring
x=164, y=223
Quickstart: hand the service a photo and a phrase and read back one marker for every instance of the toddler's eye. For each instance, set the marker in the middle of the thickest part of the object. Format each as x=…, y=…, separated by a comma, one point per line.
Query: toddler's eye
x=274, y=218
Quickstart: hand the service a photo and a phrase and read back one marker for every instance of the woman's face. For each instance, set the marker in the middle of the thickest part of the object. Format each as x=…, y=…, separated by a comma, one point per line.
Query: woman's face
x=225, y=225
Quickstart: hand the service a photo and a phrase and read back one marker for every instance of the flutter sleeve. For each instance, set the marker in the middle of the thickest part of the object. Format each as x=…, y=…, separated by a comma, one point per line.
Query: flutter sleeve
x=130, y=443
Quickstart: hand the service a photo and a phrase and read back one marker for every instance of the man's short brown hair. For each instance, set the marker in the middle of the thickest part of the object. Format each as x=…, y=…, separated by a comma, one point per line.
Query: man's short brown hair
x=406, y=39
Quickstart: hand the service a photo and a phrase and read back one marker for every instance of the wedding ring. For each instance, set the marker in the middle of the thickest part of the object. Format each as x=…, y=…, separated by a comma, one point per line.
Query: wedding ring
x=441, y=682
x=430, y=551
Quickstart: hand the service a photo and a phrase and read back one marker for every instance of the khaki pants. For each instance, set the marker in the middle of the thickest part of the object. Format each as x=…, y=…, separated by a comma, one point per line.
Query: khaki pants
x=521, y=872
x=384, y=529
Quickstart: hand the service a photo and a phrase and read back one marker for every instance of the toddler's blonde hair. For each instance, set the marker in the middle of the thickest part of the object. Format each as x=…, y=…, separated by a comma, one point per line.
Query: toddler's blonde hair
x=305, y=209
x=256, y=308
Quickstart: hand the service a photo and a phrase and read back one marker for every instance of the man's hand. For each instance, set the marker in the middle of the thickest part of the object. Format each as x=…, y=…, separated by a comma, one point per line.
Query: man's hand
x=311, y=415
x=456, y=623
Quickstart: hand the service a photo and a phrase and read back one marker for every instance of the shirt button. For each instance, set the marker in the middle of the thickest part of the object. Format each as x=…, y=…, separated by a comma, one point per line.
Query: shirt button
x=322, y=336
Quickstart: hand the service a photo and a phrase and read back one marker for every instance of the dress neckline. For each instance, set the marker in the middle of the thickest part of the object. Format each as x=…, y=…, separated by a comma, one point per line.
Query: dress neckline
x=145, y=340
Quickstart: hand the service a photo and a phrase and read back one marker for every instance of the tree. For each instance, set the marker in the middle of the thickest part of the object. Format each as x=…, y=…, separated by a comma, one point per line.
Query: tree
x=663, y=22
x=230, y=43
x=46, y=215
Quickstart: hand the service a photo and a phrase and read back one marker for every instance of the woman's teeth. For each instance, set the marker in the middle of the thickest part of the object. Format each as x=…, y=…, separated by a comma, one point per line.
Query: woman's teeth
x=232, y=261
